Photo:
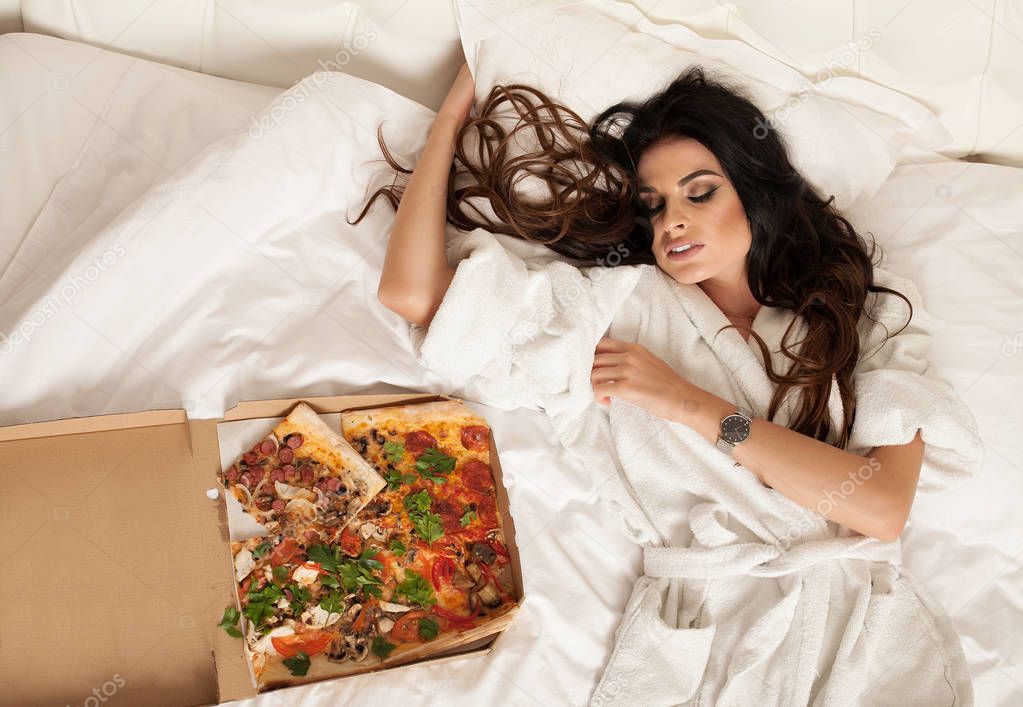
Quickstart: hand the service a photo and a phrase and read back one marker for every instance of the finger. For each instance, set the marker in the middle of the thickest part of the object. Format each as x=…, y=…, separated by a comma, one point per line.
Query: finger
x=609, y=359
x=608, y=373
x=604, y=391
x=609, y=345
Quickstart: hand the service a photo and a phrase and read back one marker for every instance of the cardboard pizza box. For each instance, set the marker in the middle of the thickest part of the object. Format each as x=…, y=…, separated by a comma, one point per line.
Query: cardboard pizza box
x=115, y=565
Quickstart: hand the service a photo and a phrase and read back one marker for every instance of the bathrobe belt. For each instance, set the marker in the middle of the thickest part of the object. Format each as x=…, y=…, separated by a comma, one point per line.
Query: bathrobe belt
x=716, y=552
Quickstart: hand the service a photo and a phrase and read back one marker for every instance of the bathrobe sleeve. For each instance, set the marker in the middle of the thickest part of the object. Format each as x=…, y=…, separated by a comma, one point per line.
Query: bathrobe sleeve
x=897, y=393
x=517, y=327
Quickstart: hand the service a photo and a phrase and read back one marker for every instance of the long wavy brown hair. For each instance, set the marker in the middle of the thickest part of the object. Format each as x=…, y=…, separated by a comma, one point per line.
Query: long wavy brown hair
x=529, y=167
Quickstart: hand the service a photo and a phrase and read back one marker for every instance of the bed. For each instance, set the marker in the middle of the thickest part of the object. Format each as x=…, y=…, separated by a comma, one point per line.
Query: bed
x=106, y=105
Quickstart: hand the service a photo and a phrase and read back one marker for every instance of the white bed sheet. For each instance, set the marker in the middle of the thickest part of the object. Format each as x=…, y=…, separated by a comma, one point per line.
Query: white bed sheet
x=947, y=224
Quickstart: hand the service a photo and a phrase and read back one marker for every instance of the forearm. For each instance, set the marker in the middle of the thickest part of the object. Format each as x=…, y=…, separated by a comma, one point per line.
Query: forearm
x=855, y=491
x=416, y=272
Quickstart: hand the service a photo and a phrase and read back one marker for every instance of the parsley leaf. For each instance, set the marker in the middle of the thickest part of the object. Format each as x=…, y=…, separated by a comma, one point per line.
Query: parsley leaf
x=395, y=479
x=418, y=502
x=416, y=589
x=381, y=647
x=394, y=451
x=428, y=525
x=432, y=463
x=298, y=664
x=398, y=548
x=428, y=628
x=329, y=558
x=329, y=580
x=300, y=596
x=260, y=551
x=333, y=603
x=468, y=518
x=229, y=622
x=280, y=573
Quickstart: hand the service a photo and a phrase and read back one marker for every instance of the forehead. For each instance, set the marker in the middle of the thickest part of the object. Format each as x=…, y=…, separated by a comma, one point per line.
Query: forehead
x=669, y=159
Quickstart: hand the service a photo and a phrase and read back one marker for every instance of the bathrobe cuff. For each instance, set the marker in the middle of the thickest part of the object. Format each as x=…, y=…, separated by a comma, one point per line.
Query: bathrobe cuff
x=897, y=393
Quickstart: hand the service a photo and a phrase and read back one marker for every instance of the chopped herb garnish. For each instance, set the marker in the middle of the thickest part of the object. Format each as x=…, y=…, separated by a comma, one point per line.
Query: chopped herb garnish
x=428, y=525
x=468, y=518
x=329, y=580
x=381, y=647
x=432, y=463
x=260, y=551
x=298, y=664
x=229, y=622
x=428, y=628
x=333, y=603
x=395, y=479
x=398, y=548
x=416, y=589
x=281, y=573
x=349, y=574
x=394, y=451
x=300, y=596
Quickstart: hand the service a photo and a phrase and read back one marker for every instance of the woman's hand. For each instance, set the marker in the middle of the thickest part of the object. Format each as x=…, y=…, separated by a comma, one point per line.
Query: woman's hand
x=631, y=372
x=460, y=97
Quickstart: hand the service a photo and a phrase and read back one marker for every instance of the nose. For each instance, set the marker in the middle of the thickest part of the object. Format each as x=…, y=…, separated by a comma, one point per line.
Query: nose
x=676, y=216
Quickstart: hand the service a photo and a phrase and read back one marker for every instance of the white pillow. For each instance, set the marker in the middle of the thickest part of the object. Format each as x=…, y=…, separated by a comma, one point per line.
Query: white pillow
x=844, y=134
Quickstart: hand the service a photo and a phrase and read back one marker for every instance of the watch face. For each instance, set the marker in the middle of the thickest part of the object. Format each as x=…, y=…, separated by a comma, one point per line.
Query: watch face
x=735, y=428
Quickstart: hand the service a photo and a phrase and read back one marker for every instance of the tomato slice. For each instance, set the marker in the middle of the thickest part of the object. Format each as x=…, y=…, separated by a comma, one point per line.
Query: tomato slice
x=351, y=545
x=406, y=629
x=309, y=642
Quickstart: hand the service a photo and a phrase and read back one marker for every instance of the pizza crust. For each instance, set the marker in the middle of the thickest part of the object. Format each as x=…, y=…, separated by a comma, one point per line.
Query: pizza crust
x=276, y=674
x=418, y=415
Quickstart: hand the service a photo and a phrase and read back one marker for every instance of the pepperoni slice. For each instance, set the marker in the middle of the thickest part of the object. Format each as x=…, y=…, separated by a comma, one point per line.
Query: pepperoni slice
x=256, y=473
x=250, y=457
x=312, y=537
x=450, y=514
x=232, y=473
x=419, y=441
x=486, y=509
x=286, y=455
x=286, y=551
x=477, y=476
x=294, y=440
x=307, y=475
x=476, y=438
x=279, y=505
x=267, y=446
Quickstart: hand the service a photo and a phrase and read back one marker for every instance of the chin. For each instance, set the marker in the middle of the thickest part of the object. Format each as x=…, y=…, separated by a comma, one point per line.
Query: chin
x=683, y=274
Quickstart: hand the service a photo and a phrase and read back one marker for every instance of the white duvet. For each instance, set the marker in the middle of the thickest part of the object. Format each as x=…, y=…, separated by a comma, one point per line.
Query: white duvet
x=239, y=279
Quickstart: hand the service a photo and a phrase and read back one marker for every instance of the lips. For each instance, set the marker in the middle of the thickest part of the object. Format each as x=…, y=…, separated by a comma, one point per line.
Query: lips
x=678, y=243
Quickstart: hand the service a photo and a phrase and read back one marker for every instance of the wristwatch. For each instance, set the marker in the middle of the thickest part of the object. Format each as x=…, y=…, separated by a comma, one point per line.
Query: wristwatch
x=735, y=429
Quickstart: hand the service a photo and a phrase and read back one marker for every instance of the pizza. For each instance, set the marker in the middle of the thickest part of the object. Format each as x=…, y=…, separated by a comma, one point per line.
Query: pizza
x=302, y=477
x=421, y=568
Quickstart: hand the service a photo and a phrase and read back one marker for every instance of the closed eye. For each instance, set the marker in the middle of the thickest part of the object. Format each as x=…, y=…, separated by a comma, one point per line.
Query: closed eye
x=696, y=199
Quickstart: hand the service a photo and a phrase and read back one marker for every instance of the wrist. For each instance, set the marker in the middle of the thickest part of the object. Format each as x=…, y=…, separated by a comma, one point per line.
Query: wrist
x=703, y=412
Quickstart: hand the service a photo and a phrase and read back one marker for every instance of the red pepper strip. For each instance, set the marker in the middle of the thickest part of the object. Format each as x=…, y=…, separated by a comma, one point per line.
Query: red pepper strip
x=443, y=569
x=498, y=548
x=455, y=618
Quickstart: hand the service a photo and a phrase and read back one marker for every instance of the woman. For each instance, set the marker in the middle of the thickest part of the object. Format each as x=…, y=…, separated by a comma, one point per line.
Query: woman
x=718, y=461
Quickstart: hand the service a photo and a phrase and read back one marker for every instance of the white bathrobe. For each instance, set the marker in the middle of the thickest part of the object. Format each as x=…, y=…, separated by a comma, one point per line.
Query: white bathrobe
x=747, y=598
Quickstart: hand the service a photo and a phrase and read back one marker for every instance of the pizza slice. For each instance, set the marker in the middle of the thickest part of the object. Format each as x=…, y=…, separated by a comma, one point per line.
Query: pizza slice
x=302, y=478
x=311, y=611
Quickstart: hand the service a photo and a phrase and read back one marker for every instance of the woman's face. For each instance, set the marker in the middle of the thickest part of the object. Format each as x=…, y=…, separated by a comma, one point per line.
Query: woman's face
x=689, y=200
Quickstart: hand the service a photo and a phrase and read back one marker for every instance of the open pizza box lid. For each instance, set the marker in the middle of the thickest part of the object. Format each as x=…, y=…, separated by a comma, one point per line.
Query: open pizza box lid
x=115, y=566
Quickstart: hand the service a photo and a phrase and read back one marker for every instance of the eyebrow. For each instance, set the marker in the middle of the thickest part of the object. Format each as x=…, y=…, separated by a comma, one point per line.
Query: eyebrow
x=685, y=180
